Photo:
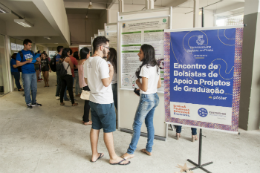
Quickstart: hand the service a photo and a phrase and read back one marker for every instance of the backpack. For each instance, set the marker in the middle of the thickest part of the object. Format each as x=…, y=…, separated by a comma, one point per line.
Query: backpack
x=61, y=71
x=21, y=55
x=53, y=64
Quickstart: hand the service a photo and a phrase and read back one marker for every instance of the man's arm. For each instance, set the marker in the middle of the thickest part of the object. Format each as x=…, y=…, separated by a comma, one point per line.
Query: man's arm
x=107, y=81
x=18, y=63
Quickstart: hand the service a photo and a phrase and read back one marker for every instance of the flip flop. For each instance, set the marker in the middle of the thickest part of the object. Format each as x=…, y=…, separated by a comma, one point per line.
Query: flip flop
x=100, y=156
x=119, y=163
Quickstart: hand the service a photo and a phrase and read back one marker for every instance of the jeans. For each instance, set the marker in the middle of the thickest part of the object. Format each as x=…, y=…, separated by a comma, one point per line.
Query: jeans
x=67, y=81
x=86, y=107
x=58, y=88
x=145, y=111
x=114, y=89
x=193, y=130
x=30, y=86
x=17, y=79
x=77, y=88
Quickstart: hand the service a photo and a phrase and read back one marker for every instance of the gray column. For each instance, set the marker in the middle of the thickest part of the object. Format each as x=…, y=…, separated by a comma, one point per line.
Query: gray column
x=151, y=4
x=196, y=14
x=249, y=111
x=121, y=6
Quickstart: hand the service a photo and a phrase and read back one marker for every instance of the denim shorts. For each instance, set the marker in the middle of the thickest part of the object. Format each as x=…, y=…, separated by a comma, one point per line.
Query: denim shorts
x=103, y=116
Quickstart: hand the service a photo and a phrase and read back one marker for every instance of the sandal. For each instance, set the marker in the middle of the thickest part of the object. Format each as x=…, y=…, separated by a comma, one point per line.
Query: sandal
x=146, y=152
x=62, y=104
x=119, y=163
x=87, y=123
x=100, y=156
x=75, y=104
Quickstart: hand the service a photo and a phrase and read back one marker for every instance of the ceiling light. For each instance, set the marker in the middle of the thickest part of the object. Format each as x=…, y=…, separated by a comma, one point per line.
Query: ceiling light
x=23, y=22
x=4, y=9
x=48, y=38
x=90, y=5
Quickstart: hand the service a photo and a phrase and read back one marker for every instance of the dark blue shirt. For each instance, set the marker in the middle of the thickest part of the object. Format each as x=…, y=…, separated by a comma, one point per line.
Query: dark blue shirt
x=58, y=57
x=27, y=55
x=13, y=62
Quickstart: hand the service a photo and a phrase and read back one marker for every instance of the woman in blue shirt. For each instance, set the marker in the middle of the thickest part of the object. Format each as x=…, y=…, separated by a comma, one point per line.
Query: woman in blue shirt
x=15, y=72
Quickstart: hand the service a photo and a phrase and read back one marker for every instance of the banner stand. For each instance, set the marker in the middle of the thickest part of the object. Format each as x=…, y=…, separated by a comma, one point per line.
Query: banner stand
x=199, y=166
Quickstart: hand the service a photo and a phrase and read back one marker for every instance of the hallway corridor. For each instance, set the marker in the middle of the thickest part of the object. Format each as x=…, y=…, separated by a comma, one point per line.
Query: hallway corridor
x=52, y=139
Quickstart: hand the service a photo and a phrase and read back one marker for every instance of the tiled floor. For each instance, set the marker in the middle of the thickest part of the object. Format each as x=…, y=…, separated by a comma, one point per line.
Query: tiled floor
x=51, y=139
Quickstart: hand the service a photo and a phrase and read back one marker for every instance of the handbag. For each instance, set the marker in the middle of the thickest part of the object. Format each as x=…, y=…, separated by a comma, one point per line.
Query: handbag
x=85, y=95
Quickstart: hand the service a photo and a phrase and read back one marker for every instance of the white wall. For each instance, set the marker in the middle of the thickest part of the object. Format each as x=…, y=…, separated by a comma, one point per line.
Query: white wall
x=182, y=20
x=83, y=29
x=2, y=27
x=179, y=18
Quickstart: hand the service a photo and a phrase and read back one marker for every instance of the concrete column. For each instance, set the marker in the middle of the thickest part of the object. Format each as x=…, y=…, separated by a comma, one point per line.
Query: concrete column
x=121, y=6
x=151, y=4
x=147, y=6
x=249, y=112
x=196, y=11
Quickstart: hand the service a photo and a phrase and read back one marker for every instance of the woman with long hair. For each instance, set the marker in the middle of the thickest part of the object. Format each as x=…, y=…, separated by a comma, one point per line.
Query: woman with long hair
x=45, y=68
x=84, y=55
x=112, y=59
x=148, y=80
x=67, y=80
x=15, y=72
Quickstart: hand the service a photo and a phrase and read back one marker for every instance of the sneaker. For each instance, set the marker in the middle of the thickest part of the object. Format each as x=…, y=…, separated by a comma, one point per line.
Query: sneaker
x=57, y=98
x=29, y=106
x=36, y=104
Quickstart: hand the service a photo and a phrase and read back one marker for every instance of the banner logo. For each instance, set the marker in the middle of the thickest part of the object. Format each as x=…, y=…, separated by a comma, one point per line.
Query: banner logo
x=200, y=41
x=202, y=112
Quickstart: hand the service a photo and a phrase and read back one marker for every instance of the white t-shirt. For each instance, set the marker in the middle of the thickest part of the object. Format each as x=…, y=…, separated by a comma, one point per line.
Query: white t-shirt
x=153, y=76
x=95, y=69
x=114, y=79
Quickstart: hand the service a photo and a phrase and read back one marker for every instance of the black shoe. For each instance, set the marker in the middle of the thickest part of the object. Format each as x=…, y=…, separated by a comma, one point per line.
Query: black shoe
x=36, y=104
x=29, y=106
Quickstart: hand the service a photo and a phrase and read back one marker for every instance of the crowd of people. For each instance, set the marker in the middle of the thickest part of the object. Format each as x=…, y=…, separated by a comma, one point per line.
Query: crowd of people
x=95, y=79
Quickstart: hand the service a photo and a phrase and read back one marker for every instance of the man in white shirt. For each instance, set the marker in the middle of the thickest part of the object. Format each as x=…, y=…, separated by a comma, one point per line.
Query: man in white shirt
x=98, y=75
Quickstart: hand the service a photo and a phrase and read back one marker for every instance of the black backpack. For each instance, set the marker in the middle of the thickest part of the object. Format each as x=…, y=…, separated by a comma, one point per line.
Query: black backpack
x=21, y=55
x=61, y=71
x=53, y=64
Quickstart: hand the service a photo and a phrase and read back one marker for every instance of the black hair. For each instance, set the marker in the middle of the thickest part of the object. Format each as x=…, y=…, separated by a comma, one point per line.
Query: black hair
x=14, y=56
x=70, y=51
x=113, y=58
x=59, y=48
x=76, y=55
x=26, y=41
x=84, y=52
x=148, y=60
x=46, y=56
x=65, y=53
x=98, y=41
x=39, y=51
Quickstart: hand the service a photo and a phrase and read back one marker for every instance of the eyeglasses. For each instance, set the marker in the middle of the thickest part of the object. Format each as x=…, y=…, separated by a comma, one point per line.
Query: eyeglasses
x=107, y=47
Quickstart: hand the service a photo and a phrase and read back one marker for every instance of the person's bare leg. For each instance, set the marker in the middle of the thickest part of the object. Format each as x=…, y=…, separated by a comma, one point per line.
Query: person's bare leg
x=109, y=141
x=44, y=77
x=47, y=77
x=94, y=135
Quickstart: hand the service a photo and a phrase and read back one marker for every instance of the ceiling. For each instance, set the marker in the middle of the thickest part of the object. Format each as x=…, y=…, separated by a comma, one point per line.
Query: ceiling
x=84, y=11
x=41, y=25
